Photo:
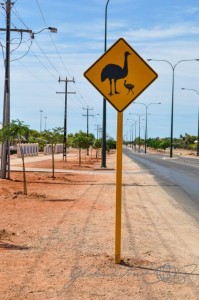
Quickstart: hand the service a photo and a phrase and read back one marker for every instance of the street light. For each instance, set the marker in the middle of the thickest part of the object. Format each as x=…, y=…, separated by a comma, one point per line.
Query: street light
x=172, y=101
x=41, y=111
x=146, y=132
x=97, y=127
x=51, y=29
x=198, y=117
x=131, y=133
x=139, y=116
x=135, y=122
x=45, y=122
x=103, y=165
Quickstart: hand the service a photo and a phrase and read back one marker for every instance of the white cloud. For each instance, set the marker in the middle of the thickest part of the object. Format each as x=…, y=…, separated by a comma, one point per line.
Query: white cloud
x=158, y=32
x=191, y=10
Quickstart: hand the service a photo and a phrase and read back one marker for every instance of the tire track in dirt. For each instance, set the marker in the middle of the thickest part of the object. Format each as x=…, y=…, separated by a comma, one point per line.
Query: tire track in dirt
x=53, y=235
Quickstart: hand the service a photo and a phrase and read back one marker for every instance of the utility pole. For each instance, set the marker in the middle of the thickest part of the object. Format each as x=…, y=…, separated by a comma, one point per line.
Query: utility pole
x=5, y=155
x=98, y=130
x=87, y=117
x=65, y=114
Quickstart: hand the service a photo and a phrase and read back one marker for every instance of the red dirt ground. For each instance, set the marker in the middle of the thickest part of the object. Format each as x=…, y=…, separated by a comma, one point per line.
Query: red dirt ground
x=58, y=241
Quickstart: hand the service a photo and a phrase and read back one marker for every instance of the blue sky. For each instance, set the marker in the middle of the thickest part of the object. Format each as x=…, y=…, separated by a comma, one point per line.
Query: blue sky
x=166, y=31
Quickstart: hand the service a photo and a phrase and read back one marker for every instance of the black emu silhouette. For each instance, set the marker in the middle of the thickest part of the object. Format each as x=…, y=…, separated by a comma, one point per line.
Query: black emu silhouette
x=115, y=72
x=129, y=87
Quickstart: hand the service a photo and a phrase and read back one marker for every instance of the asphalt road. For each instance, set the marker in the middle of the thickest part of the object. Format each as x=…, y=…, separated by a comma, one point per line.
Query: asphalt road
x=178, y=176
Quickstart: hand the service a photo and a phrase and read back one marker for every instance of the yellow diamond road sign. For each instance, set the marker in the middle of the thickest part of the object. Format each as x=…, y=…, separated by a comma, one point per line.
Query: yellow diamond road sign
x=120, y=75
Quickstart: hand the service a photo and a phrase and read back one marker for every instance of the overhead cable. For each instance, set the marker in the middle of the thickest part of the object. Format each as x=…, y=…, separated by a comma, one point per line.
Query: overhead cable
x=81, y=100
x=52, y=39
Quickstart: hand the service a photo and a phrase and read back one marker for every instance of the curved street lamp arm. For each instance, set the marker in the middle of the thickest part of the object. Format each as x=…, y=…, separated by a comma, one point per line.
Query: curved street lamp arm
x=137, y=114
x=190, y=90
x=147, y=105
x=105, y=39
x=140, y=103
x=135, y=121
x=184, y=60
x=151, y=59
x=52, y=29
x=172, y=66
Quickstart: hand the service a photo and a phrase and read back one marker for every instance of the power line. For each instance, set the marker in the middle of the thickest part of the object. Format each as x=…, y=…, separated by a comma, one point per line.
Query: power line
x=23, y=54
x=16, y=13
x=79, y=99
x=47, y=58
x=2, y=13
x=43, y=64
x=40, y=48
x=35, y=76
x=2, y=51
x=52, y=39
x=42, y=14
x=21, y=35
x=13, y=8
x=18, y=44
x=29, y=50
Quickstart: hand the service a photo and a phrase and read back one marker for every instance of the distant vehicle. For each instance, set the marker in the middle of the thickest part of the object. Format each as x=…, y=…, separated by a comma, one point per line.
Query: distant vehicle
x=13, y=150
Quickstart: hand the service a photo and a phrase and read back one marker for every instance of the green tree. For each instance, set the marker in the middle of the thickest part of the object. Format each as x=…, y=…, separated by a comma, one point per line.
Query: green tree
x=189, y=141
x=37, y=137
x=80, y=140
x=164, y=143
x=16, y=131
x=52, y=138
x=110, y=144
x=34, y=134
x=69, y=139
x=153, y=143
x=97, y=144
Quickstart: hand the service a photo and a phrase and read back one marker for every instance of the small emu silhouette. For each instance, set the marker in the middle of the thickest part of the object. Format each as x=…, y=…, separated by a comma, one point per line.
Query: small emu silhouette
x=129, y=87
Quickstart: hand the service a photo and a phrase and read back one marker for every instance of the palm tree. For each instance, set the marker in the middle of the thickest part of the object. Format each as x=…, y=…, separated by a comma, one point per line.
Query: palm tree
x=12, y=132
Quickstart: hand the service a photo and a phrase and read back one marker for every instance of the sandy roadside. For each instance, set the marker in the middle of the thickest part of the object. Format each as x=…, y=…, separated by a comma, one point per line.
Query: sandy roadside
x=60, y=243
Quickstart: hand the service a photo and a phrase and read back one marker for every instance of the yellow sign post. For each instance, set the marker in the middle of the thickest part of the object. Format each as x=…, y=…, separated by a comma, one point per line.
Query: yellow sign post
x=120, y=75
x=118, y=209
